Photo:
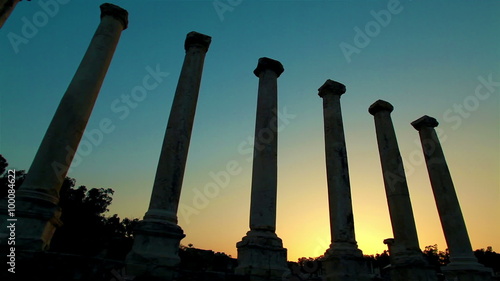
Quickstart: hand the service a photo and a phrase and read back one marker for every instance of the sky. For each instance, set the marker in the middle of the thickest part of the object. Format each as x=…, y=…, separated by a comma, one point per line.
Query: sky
x=436, y=58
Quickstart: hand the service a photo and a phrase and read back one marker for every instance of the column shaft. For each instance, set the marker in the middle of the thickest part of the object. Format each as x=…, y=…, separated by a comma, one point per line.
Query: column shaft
x=58, y=147
x=396, y=187
x=463, y=264
x=343, y=260
x=407, y=261
x=39, y=195
x=452, y=221
x=339, y=189
x=261, y=255
x=155, y=252
x=171, y=165
x=265, y=160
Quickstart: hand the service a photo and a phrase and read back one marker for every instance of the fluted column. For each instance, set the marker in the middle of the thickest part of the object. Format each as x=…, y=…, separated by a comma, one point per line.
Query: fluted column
x=157, y=238
x=261, y=253
x=406, y=257
x=344, y=261
x=463, y=264
x=38, y=197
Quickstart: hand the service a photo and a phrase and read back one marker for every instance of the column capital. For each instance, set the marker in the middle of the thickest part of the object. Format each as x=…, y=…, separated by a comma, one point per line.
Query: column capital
x=267, y=63
x=116, y=12
x=380, y=105
x=331, y=87
x=424, y=121
x=194, y=38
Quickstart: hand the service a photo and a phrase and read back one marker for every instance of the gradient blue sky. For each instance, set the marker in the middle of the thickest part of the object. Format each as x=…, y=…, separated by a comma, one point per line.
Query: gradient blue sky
x=428, y=59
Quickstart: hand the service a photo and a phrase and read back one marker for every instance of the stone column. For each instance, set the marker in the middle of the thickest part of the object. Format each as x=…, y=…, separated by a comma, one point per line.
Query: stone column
x=407, y=261
x=6, y=8
x=260, y=253
x=463, y=264
x=344, y=261
x=157, y=237
x=37, y=199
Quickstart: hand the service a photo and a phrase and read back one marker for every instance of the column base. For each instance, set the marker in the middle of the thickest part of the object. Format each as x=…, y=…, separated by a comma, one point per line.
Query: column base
x=155, y=252
x=408, y=263
x=345, y=262
x=466, y=269
x=261, y=256
x=36, y=220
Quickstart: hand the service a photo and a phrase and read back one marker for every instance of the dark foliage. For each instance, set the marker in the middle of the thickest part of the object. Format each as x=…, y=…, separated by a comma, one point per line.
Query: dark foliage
x=86, y=230
x=489, y=258
x=193, y=259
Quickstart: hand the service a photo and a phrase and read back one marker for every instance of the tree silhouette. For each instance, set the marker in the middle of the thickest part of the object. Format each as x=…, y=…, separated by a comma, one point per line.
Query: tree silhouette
x=431, y=254
x=3, y=164
x=489, y=258
x=86, y=230
x=193, y=259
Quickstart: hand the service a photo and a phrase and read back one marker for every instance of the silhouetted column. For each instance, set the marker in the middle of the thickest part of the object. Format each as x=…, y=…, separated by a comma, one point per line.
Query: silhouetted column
x=406, y=257
x=38, y=197
x=265, y=155
x=339, y=188
x=261, y=253
x=344, y=259
x=463, y=264
x=6, y=8
x=157, y=238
